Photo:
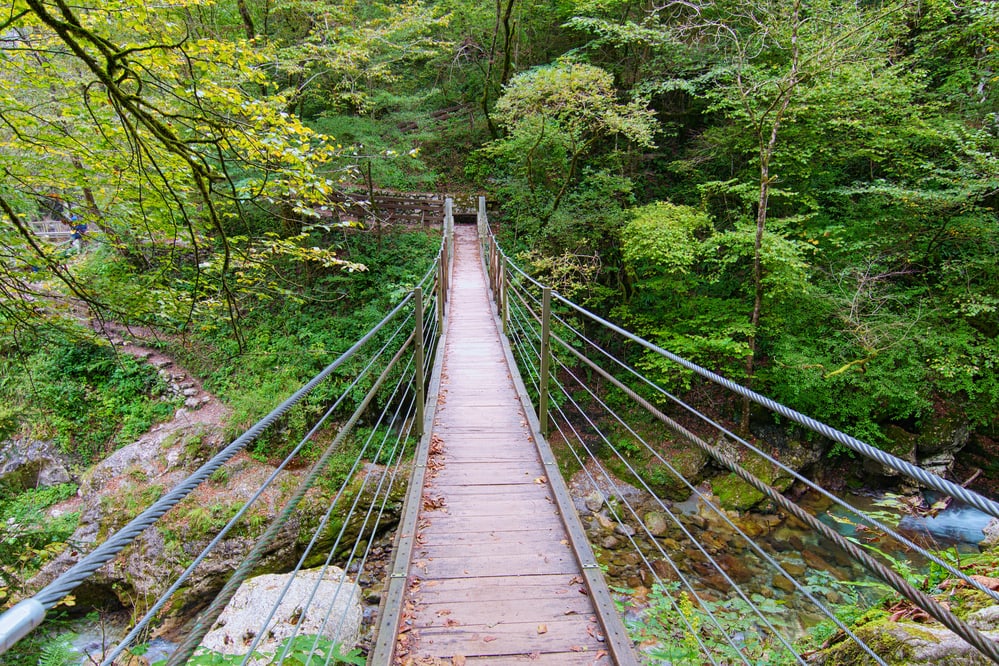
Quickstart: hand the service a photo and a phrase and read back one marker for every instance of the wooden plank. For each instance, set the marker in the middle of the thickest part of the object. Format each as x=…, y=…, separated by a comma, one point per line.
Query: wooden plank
x=523, y=547
x=583, y=658
x=504, y=639
x=492, y=588
x=470, y=506
x=511, y=565
x=473, y=612
x=495, y=539
x=445, y=522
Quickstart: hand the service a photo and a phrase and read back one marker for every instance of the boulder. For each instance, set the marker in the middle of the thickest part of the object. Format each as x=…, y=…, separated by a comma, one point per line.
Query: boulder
x=991, y=532
x=657, y=524
x=32, y=464
x=321, y=603
x=909, y=643
x=901, y=444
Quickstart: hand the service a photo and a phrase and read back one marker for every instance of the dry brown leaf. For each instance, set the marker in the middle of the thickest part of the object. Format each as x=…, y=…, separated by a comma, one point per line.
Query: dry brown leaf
x=987, y=582
x=458, y=660
x=542, y=628
x=488, y=639
x=541, y=480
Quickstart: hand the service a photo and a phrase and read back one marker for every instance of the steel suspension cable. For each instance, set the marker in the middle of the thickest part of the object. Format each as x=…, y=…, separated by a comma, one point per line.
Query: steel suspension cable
x=680, y=575
x=208, y=617
x=888, y=575
x=968, y=633
x=26, y=615
x=926, y=478
x=717, y=510
x=348, y=477
x=165, y=597
x=864, y=517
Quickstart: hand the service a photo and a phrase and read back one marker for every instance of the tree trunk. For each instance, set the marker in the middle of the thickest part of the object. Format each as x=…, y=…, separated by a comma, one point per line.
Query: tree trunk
x=244, y=13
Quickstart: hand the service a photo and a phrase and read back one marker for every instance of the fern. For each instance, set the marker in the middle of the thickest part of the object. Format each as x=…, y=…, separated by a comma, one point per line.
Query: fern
x=57, y=651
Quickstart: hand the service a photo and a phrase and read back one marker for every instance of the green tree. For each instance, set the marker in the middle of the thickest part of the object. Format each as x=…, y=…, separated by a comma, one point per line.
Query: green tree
x=124, y=106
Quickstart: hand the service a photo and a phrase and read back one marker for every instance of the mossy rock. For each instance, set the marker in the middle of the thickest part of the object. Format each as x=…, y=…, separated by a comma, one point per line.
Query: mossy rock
x=904, y=644
x=688, y=461
x=735, y=494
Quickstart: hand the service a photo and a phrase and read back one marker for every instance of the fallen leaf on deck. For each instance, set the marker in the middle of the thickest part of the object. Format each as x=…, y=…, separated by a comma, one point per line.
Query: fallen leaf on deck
x=542, y=628
x=488, y=639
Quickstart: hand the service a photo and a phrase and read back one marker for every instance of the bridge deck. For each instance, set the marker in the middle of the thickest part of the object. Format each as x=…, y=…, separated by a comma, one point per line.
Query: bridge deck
x=494, y=578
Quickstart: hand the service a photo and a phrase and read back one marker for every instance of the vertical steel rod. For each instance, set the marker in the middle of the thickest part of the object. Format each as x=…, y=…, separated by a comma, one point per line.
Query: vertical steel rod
x=421, y=398
x=546, y=353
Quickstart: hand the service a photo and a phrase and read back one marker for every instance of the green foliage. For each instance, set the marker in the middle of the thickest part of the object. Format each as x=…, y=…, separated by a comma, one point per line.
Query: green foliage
x=28, y=536
x=302, y=650
x=662, y=239
x=288, y=341
x=84, y=395
x=681, y=632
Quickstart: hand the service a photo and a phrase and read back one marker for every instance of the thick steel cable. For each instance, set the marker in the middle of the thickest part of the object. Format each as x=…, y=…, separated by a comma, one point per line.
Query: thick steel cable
x=927, y=603
x=50, y=595
x=434, y=266
x=348, y=478
x=401, y=446
x=971, y=635
x=869, y=520
x=165, y=597
x=968, y=633
x=207, y=618
x=400, y=449
x=926, y=478
x=534, y=371
x=717, y=510
x=714, y=563
x=680, y=575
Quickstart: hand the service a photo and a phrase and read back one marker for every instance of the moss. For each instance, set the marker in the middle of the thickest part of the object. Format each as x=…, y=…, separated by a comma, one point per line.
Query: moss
x=736, y=494
x=889, y=640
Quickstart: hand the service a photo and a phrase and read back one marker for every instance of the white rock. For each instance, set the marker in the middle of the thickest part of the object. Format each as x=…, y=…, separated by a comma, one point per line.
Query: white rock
x=336, y=598
x=991, y=532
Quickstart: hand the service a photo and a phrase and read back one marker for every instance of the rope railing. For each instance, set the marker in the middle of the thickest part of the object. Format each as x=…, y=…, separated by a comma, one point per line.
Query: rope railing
x=582, y=422
x=394, y=358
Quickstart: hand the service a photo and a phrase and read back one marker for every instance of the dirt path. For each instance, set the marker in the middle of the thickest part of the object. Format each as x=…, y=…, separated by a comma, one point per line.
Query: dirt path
x=200, y=406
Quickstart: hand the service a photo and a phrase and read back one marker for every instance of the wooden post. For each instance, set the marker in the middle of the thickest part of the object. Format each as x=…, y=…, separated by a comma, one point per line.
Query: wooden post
x=448, y=230
x=441, y=293
x=546, y=353
x=504, y=304
x=421, y=397
x=483, y=222
x=490, y=264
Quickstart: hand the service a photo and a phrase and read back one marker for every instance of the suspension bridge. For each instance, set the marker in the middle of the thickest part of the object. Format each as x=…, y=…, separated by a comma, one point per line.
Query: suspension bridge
x=471, y=379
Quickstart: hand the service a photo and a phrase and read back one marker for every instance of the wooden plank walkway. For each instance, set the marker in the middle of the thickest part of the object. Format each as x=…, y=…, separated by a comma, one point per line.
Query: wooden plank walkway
x=493, y=576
